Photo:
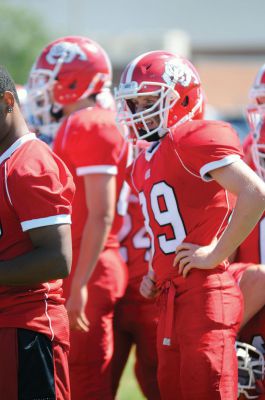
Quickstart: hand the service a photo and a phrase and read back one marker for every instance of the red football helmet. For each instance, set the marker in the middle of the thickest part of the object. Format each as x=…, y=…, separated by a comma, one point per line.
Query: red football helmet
x=68, y=69
x=175, y=85
x=256, y=108
x=258, y=149
x=247, y=150
x=200, y=114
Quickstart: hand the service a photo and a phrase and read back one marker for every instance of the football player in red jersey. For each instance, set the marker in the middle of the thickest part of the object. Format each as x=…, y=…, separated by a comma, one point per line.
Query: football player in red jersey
x=189, y=181
x=35, y=246
x=135, y=319
x=248, y=261
x=68, y=85
x=246, y=258
x=249, y=270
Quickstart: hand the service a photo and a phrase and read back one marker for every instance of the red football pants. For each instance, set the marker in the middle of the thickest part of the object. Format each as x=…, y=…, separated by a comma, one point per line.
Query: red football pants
x=91, y=353
x=237, y=270
x=135, y=322
x=201, y=318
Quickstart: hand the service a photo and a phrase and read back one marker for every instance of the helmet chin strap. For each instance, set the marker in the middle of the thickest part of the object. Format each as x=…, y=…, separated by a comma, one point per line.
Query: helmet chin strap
x=153, y=137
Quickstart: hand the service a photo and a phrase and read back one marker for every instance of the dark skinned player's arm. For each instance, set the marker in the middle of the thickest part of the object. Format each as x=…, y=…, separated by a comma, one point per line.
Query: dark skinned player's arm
x=50, y=258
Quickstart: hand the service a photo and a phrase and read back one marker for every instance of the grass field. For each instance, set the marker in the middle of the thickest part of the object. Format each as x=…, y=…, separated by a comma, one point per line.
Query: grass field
x=129, y=388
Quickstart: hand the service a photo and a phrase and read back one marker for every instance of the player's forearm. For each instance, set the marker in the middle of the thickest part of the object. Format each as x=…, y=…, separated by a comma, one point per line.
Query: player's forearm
x=94, y=237
x=248, y=211
x=38, y=266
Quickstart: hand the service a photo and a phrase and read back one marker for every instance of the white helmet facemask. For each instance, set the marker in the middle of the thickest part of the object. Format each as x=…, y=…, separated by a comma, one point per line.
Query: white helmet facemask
x=251, y=369
x=164, y=99
x=256, y=111
x=40, y=101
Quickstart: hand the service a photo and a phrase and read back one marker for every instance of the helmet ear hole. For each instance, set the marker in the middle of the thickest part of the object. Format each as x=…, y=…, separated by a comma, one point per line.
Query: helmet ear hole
x=72, y=85
x=186, y=101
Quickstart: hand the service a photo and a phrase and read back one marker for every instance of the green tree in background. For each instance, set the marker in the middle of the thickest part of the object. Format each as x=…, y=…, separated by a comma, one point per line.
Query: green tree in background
x=22, y=36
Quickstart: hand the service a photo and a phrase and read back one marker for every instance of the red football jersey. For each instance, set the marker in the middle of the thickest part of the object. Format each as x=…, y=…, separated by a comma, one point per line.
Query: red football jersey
x=179, y=199
x=90, y=143
x=36, y=190
x=134, y=240
x=252, y=250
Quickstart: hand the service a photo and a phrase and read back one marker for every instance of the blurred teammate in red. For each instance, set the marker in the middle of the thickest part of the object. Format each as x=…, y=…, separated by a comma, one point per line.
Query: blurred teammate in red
x=249, y=270
x=249, y=266
x=69, y=83
x=136, y=317
x=251, y=282
x=189, y=181
x=36, y=194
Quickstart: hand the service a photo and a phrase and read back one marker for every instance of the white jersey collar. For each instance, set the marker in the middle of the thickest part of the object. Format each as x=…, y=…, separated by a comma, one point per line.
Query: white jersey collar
x=152, y=150
x=18, y=143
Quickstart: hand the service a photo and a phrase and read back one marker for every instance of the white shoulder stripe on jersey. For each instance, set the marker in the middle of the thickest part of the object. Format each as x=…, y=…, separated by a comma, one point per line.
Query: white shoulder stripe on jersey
x=39, y=222
x=217, y=164
x=184, y=166
x=97, y=169
x=208, y=167
x=6, y=186
x=16, y=145
x=132, y=66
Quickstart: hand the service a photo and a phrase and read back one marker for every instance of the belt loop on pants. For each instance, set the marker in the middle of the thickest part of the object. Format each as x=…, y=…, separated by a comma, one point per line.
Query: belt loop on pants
x=169, y=313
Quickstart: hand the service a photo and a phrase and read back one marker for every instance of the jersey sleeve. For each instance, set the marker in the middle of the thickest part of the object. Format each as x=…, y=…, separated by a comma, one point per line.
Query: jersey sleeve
x=94, y=147
x=41, y=191
x=208, y=146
